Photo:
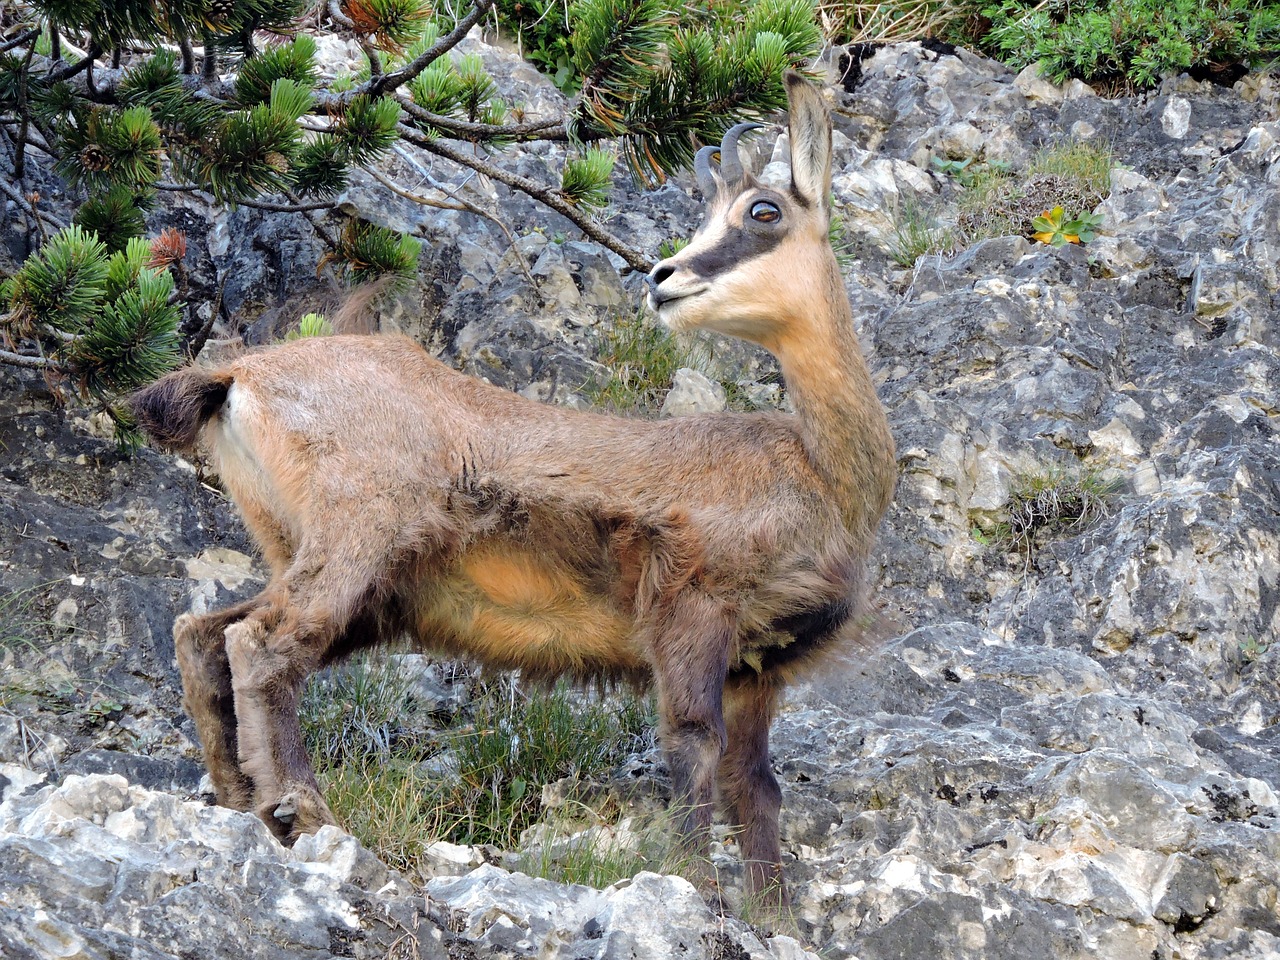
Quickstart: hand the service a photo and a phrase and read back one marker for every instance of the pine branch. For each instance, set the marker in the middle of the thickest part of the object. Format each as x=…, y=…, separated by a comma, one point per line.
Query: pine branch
x=56, y=222
x=547, y=196
x=389, y=81
x=30, y=363
x=20, y=39
x=466, y=130
x=68, y=71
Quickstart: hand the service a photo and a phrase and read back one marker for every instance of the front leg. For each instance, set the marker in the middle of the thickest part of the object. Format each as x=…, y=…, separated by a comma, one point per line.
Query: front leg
x=690, y=647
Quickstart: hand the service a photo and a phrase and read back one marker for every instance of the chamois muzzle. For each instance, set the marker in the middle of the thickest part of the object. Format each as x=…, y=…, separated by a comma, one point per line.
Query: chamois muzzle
x=659, y=273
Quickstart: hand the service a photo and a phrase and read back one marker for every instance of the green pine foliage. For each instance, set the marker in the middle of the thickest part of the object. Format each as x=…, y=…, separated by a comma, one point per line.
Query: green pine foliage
x=184, y=120
x=393, y=24
x=585, y=181
x=61, y=284
x=438, y=88
x=617, y=45
x=368, y=252
x=459, y=87
x=11, y=74
x=106, y=320
x=311, y=325
x=1136, y=41
x=254, y=150
x=367, y=128
x=321, y=168
x=233, y=25
x=123, y=270
x=112, y=148
x=133, y=341
x=110, y=24
x=116, y=216
x=288, y=61
x=695, y=85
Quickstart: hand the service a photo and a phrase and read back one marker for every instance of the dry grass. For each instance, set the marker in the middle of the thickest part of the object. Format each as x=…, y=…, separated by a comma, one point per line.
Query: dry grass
x=893, y=22
x=1054, y=503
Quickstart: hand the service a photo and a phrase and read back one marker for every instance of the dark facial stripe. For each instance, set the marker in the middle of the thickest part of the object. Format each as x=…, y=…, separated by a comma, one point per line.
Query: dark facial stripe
x=736, y=246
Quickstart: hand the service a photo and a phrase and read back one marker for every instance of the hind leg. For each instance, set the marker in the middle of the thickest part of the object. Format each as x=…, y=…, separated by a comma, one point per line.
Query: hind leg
x=200, y=646
x=268, y=668
x=313, y=616
x=751, y=792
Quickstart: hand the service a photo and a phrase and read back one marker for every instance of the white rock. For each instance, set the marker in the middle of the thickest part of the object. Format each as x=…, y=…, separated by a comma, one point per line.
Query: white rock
x=1175, y=120
x=1036, y=87
x=693, y=392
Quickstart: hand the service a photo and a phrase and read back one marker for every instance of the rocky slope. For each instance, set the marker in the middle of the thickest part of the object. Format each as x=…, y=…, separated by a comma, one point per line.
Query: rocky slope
x=1066, y=747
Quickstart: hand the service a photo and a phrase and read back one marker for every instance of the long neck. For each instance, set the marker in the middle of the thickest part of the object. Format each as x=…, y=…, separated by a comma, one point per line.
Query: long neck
x=842, y=423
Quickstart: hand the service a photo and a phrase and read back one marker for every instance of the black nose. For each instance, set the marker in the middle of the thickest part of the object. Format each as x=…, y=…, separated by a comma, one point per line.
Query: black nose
x=660, y=272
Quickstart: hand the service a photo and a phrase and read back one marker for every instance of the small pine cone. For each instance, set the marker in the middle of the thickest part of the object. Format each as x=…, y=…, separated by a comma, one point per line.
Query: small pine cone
x=94, y=159
x=219, y=11
x=278, y=162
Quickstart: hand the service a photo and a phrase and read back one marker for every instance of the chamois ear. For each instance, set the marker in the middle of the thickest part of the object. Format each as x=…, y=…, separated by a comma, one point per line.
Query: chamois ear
x=809, y=126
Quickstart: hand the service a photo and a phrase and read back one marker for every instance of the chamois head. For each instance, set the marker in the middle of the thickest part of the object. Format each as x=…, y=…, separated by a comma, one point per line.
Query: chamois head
x=762, y=255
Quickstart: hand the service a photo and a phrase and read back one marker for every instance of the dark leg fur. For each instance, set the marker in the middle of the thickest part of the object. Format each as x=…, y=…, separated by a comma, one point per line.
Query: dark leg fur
x=200, y=646
x=312, y=617
x=749, y=789
x=268, y=667
x=691, y=655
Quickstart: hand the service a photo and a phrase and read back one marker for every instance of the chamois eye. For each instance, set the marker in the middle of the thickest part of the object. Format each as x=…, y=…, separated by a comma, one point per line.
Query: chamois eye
x=764, y=212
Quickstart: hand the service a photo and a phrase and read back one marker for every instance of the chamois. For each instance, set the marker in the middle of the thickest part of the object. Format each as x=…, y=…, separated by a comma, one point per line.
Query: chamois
x=714, y=555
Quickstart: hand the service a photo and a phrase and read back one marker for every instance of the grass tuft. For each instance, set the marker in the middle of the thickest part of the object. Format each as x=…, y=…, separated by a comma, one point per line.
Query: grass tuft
x=1053, y=503
x=642, y=358
x=598, y=854
x=999, y=203
x=917, y=234
x=399, y=782
x=1085, y=166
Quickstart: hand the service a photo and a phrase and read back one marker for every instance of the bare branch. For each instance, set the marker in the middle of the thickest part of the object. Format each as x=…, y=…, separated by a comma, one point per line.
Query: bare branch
x=56, y=222
x=549, y=197
x=193, y=346
x=467, y=130
x=20, y=39
x=30, y=363
x=459, y=203
x=255, y=204
x=70, y=70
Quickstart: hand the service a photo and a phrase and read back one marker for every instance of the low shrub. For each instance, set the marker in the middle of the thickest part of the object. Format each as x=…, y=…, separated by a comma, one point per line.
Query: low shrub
x=1134, y=42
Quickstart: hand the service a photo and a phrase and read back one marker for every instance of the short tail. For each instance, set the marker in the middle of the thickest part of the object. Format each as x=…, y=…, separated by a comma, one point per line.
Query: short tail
x=172, y=410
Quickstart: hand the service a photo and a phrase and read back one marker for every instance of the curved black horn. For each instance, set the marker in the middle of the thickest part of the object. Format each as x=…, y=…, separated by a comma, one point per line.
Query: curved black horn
x=730, y=165
x=702, y=170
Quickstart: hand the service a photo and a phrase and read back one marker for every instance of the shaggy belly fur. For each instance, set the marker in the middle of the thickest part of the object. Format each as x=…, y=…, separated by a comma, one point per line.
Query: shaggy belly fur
x=509, y=609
